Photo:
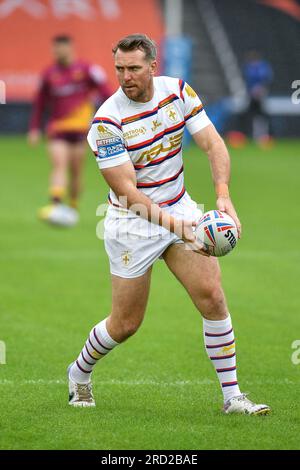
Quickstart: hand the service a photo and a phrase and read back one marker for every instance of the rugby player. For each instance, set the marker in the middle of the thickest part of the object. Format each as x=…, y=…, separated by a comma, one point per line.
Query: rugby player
x=66, y=90
x=136, y=136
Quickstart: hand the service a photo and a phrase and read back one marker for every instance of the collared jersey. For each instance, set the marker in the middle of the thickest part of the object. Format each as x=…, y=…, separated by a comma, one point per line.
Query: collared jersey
x=150, y=136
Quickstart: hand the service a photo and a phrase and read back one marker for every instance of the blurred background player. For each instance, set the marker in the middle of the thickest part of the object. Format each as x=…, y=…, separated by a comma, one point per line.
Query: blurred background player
x=258, y=76
x=68, y=91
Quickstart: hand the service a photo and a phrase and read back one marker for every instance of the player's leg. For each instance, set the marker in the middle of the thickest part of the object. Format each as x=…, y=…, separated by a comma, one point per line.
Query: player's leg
x=129, y=300
x=77, y=156
x=201, y=277
x=59, y=158
x=60, y=152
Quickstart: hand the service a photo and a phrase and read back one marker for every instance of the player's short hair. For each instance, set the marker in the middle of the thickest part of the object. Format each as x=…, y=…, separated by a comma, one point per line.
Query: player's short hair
x=137, y=41
x=62, y=39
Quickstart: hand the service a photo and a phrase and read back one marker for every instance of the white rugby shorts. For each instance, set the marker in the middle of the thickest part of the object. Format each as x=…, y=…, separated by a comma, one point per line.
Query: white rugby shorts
x=134, y=244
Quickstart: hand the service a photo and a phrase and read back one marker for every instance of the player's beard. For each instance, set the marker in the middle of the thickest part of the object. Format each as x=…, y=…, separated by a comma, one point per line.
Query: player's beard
x=134, y=94
x=137, y=94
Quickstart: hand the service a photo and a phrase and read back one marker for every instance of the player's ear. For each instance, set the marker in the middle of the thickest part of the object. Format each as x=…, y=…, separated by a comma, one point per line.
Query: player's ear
x=153, y=67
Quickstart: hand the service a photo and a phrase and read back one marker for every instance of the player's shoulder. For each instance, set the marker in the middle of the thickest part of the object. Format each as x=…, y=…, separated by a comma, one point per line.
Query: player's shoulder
x=168, y=84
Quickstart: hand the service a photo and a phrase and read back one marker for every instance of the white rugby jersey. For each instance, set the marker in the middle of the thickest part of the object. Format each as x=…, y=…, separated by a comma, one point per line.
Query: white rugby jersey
x=150, y=135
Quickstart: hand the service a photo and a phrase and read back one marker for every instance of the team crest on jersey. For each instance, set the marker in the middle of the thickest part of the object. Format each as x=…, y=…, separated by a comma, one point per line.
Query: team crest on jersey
x=172, y=113
x=126, y=257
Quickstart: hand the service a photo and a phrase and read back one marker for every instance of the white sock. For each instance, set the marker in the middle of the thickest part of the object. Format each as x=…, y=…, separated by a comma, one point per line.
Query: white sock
x=98, y=344
x=220, y=346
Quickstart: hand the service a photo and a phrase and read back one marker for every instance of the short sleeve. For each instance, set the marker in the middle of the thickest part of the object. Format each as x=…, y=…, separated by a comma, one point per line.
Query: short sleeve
x=194, y=114
x=106, y=141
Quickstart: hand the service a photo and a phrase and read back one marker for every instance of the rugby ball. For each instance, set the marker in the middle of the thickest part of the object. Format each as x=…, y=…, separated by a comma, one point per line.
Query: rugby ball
x=218, y=232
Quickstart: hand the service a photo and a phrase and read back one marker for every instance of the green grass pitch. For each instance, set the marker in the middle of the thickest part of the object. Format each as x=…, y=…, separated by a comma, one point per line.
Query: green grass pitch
x=158, y=390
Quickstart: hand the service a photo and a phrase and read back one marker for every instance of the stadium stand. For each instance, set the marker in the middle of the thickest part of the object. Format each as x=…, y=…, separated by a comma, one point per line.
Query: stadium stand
x=207, y=74
x=250, y=24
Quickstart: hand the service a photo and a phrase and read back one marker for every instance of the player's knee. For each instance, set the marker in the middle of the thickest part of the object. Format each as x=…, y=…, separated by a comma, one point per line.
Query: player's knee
x=59, y=164
x=129, y=327
x=213, y=294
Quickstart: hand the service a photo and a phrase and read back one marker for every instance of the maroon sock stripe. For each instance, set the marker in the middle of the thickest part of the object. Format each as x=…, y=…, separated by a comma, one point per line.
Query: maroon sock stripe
x=82, y=370
x=102, y=353
x=227, y=369
x=98, y=341
x=229, y=384
x=87, y=362
x=215, y=335
x=218, y=358
x=89, y=352
x=211, y=346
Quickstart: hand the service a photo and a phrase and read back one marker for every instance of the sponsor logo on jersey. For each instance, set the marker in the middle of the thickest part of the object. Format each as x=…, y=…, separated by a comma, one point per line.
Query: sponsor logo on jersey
x=189, y=90
x=135, y=133
x=155, y=125
x=110, y=147
x=173, y=142
x=104, y=131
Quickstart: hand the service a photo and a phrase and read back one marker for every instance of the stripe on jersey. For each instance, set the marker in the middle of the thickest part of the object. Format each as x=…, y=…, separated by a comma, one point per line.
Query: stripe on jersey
x=158, y=160
x=106, y=121
x=181, y=86
x=194, y=112
x=157, y=137
x=161, y=182
x=146, y=114
x=170, y=202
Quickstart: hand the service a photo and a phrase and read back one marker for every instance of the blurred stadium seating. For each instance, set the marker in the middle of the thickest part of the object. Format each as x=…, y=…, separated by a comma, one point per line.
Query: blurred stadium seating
x=230, y=27
x=26, y=30
x=271, y=26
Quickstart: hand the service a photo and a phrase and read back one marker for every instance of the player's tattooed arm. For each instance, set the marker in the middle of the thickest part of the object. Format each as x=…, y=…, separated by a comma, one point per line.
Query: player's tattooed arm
x=210, y=141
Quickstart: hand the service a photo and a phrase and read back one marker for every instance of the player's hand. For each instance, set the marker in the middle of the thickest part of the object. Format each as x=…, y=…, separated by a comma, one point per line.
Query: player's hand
x=34, y=137
x=224, y=204
x=184, y=229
